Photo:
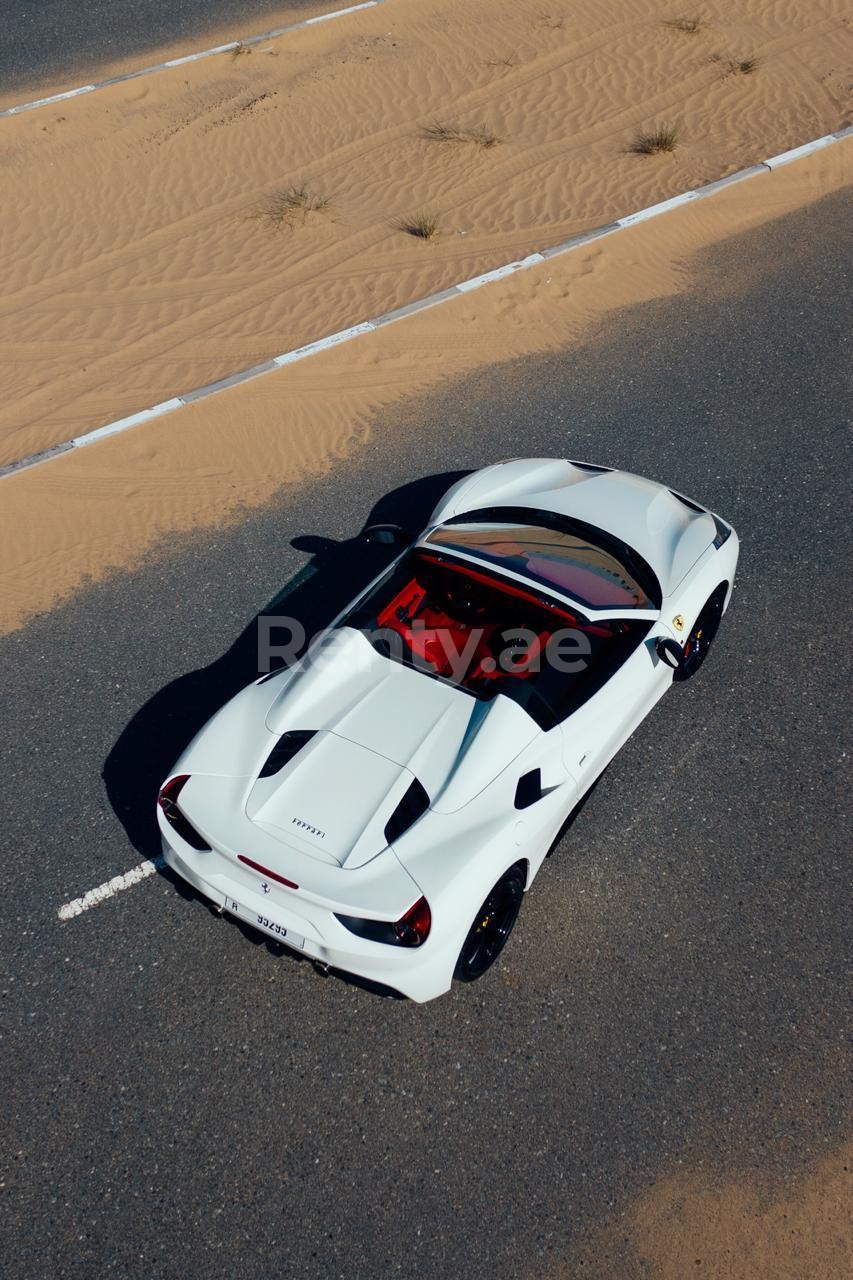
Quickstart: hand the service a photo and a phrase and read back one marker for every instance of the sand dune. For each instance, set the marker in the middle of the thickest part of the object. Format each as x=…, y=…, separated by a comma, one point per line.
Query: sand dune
x=135, y=258
x=109, y=506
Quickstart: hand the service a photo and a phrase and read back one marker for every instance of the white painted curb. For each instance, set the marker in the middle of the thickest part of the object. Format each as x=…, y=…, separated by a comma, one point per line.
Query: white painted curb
x=499, y=273
x=454, y=291
x=122, y=424
x=776, y=162
x=333, y=340
x=654, y=210
x=21, y=107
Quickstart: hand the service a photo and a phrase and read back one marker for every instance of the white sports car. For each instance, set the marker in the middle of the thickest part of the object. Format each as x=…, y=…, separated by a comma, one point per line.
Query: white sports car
x=382, y=805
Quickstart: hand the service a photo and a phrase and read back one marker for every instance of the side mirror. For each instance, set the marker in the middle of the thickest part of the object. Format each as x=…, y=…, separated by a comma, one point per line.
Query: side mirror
x=313, y=544
x=387, y=535
x=669, y=652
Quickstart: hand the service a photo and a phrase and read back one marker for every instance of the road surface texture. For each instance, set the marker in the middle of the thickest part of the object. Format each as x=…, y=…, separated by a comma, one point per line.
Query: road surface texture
x=182, y=1099
x=43, y=40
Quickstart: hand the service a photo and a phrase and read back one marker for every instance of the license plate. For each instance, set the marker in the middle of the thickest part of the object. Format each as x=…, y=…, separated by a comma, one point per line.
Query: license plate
x=265, y=923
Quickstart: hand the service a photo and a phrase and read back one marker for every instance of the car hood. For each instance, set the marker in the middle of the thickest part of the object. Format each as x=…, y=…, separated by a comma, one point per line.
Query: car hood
x=377, y=726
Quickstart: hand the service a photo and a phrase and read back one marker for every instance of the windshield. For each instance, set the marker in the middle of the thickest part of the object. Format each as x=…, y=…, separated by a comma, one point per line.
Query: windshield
x=574, y=561
x=489, y=635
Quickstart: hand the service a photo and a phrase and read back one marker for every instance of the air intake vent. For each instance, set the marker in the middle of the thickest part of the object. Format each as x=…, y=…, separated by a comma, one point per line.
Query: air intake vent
x=691, y=506
x=414, y=803
x=276, y=671
x=587, y=466
x=288, y=745
x=529, y=789
x=723, y=532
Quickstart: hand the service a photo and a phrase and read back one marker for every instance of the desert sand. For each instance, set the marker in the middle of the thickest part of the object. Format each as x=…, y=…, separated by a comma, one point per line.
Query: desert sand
x=742, y=1231
x=107, y=506
x=696, y=1223
x=141, y=254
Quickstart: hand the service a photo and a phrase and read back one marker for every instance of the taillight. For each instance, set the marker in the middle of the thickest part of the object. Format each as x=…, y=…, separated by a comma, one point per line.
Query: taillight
x=413, y=927
x=409, y=931
x=168, y=802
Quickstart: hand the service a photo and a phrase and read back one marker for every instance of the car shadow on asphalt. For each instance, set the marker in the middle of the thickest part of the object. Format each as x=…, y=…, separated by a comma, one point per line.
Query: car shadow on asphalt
x=158, y=732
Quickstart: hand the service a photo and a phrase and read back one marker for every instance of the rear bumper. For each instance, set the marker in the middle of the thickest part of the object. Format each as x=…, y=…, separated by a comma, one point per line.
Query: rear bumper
x=420, y=973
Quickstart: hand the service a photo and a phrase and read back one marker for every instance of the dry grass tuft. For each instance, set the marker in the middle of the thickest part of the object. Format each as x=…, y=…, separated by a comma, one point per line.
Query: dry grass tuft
x=654, y=141
x=745, y=67
x=291, y=204
x=509, y=61
x=552, y=21
x=484, y=137
x=422, y=225
x=443, y=131
x=240, y=50
x=689, y=26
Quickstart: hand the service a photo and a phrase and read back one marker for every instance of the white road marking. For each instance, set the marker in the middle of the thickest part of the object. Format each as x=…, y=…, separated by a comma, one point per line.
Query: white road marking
x=110, y=888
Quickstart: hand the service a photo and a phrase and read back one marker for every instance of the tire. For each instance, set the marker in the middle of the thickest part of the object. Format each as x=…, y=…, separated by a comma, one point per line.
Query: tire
x=698, y=644
x=488, y=935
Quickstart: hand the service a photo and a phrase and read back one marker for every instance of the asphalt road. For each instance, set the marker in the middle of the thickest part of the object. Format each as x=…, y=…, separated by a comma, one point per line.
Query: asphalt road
x=44, y=40
x=181, y=1100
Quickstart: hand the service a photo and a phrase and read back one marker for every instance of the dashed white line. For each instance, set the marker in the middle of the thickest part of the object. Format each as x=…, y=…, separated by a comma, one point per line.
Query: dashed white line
x=109, y=889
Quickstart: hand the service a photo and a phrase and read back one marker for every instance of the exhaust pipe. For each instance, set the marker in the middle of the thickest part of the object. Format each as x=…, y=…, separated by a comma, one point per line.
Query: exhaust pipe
x=322, y=968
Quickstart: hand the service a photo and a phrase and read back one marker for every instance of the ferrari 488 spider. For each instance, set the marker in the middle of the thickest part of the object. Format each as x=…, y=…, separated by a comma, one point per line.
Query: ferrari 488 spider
x=382, y=805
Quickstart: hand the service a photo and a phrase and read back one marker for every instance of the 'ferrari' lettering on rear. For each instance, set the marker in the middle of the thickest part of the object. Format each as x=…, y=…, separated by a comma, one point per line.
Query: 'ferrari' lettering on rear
x=306, y=826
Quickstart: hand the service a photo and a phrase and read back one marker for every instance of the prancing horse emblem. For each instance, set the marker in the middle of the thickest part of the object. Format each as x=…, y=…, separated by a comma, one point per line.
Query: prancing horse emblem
x=678, y=622
x=265, y=887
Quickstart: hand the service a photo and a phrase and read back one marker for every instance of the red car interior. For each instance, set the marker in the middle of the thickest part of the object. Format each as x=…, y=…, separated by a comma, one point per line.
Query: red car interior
x=449, y=612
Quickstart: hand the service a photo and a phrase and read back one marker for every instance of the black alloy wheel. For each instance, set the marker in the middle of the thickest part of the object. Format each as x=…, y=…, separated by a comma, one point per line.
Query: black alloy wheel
x=488, y=934
x=698, y=643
